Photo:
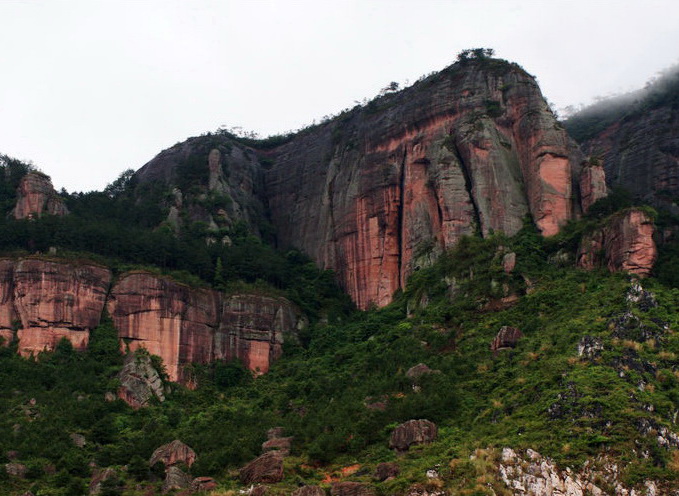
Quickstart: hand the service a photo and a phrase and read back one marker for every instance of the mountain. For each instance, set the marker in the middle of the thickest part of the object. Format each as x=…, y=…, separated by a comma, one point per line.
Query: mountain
x=178, y=331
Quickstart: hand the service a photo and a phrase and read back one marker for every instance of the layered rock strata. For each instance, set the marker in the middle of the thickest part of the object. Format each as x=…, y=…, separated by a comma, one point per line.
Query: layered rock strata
x=36, y=196
x=625, y=243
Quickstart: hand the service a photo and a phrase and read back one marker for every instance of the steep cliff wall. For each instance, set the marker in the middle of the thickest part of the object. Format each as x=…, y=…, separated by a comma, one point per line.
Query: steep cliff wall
x=49, y=300
x=474, y=147
x=36, y=196
x=184, y=325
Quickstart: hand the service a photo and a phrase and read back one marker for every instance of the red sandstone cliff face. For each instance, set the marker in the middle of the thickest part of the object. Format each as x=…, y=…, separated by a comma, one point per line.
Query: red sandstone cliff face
x=389, y=186
x=184, y=325
x=624, y=244
x=36, y=196
x=50, y=300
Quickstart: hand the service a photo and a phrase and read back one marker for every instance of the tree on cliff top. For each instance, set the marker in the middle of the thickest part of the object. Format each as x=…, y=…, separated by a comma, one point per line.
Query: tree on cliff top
x=475, y=54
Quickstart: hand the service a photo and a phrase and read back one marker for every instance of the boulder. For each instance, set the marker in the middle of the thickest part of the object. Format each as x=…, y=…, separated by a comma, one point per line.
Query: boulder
x=420, y=370
x=171, y=454
x=507, y=337
x=259, y=490
x=203, y=484
x=351, y=489
x=16, y=469
x=509, y=262
x=175, y=479
x=385, y=471
x=266, y=469
x=281, y=444
x=309, y=491
x=412, y=432
x=139, y=381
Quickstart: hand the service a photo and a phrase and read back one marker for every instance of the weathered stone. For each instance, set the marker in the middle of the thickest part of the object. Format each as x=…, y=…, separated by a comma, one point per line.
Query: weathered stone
x=419, y=370
x=99, y=476
x=507, y=337
x=351, y=489
x=590, y=347
x=509, y=262
x=173, y=453
x=175, y=479
x=36, y=196
x=139, y=381
x=385, y=471
x=16, y=469
x=266, y=469
x=309, y=491
x=422, y=490
x=281, y=444
x=275, y=433
x=592, y=185
x=625, y=243
x=54, y=300
x=78, y=440
x=412, y=432
x=259, y=490
x=203, y=484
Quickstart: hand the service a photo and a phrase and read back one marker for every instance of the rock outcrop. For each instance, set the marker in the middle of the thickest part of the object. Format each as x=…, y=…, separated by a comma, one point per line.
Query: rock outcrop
x=49, y=300
x=139, y=381
x=175, y=479
x=266, y=469
x=186, y=325
x=387, y=470
x=173, y=453
x=625, y=243
x=507, y=337
x=36, y=197
x=592, y=185
x=388, y=186
x=412, y=432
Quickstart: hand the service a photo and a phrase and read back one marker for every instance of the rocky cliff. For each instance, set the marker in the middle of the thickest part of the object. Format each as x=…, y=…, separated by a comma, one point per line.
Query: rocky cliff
x=36, y=196
x=44, y=301
x=381, y=190
x=186, y=325
x=49, y=300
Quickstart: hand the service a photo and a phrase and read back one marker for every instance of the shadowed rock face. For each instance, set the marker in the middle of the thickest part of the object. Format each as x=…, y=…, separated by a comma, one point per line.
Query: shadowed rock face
x=184, y=325
x=50, y=300
x=624, y=244
x=641, y=154
x=139, y=381
x=36, y=196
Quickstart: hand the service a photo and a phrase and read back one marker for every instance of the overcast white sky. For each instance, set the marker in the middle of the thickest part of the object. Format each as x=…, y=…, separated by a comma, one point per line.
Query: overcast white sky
x=90, y=88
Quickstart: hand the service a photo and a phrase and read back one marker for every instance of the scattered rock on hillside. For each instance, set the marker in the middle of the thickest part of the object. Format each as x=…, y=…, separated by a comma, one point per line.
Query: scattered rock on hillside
x=175, y=478
x=36, y=196
x=267, y=469
x=274, y=433
x=422, y=490
x=139, y=381
x=99, y=476
x=281, y=444
x=203, y=484
x=386, y=471
x=16, y=469
x=590, y=347
x=412, y=432
x=173, y=453
x=509, y=262
x=309, y=491
x=259, y=490
x=351, y=489
x=420, y=370
x=507, y=337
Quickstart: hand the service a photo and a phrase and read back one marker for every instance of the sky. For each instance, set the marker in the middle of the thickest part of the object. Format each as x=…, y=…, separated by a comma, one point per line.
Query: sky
x=91, y=88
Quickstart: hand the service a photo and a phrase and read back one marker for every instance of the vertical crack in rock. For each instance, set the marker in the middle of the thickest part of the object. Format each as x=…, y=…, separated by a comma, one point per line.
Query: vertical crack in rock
x=401, y=218
x=468, y=186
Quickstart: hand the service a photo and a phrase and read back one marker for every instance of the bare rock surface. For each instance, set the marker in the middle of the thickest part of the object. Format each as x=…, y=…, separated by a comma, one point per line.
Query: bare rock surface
x=266, y=469
x=139, y=381
x=412, y=432
x=173, y=453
